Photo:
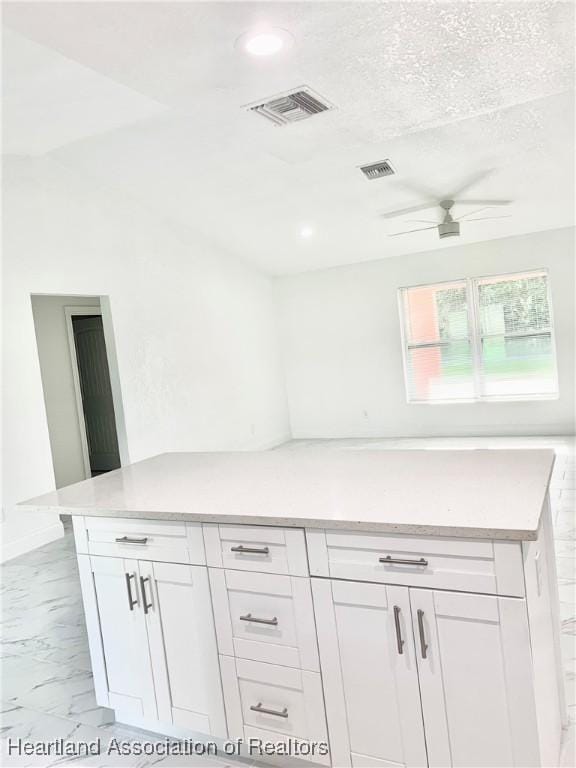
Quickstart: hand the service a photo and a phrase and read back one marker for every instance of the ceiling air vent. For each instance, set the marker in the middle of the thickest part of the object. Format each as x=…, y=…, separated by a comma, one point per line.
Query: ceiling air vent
x=291, y=107
x=377, y=170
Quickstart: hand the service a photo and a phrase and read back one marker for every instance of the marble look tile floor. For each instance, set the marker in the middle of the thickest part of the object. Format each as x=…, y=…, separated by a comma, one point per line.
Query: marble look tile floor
x=47, y=690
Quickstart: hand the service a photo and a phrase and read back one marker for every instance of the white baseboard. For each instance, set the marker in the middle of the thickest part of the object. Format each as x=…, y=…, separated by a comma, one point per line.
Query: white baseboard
x=32, y=541
x=267, y=445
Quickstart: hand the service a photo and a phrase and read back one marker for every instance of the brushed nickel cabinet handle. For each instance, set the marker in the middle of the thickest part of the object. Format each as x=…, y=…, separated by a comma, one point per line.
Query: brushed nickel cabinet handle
x=423, y=646
x=399, y=561
x=128, y=540
x=131, y=601
x=250, y=550
x=259, y=708
x=145, y=602
x=248, y=617
x=399, y=641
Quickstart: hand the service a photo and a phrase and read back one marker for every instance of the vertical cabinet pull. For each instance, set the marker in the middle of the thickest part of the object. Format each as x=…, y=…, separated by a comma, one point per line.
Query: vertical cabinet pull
x=399, y=641
x=423, y=646
x=145, y=602
x=131, y=601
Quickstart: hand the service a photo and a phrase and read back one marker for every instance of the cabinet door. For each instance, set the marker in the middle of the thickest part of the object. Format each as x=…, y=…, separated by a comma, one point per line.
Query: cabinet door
x=369, y=674
x=183, y=646
x=124, y=637
x=475, y=674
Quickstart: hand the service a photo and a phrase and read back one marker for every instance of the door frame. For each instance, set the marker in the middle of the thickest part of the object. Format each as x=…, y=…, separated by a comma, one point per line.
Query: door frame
x=69, y=313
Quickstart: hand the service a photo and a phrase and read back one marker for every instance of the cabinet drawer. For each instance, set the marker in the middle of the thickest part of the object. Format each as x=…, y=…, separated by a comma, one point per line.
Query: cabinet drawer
x=273, y=703
x=170, y=542
x=256, y=548
x=265, y=617
x=470, y=565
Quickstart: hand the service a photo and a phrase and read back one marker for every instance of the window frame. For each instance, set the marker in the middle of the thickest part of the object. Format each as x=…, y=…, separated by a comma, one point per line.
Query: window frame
x=476, y=337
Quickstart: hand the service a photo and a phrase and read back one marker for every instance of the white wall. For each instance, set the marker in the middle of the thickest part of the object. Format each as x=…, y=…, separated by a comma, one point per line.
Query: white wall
x=196, y=338
x=343, y=355
x=195, y=332
x=58, y=383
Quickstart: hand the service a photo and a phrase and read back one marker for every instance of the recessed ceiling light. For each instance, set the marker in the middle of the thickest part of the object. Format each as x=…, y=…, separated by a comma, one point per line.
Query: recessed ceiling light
x=265, y=42
x=307, y=232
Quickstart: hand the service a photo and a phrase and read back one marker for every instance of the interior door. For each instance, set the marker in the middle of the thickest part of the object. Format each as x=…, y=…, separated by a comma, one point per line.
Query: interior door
x=124, y=636
x=96, y=391
x=183, y=646
x=474, y=666
x=381, y=713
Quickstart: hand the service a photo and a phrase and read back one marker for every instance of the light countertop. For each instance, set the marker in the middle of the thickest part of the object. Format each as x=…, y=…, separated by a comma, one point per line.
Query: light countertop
x=470, y=493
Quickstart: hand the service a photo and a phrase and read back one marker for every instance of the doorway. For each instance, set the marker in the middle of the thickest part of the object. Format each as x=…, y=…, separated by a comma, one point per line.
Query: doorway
x=81, y=386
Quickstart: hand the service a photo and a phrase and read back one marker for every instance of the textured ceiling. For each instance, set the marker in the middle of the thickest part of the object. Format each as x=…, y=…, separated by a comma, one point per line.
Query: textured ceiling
x=149, y=96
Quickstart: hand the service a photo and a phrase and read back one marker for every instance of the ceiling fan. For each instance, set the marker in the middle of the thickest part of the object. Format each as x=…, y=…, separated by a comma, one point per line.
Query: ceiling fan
x=449, y=226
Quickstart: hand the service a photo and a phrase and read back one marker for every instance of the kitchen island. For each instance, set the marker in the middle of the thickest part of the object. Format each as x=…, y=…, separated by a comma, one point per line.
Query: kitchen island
x=376, y=607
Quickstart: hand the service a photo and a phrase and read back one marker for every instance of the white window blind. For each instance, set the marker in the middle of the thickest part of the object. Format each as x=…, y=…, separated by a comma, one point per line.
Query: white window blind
x=438, y=342
x=479, y=339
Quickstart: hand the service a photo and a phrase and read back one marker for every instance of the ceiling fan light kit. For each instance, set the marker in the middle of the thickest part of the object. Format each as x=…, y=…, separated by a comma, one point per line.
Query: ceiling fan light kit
x=449, y=229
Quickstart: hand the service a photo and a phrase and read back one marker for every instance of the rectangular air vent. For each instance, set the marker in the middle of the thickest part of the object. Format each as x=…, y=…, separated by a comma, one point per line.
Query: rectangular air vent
x=291, y=107
x=377, y=170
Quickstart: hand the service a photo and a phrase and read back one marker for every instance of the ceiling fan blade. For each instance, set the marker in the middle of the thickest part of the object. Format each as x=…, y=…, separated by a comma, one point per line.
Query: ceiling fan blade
x=409, y=231
x=421, y=221
x=487, y=218
x=486, y=203
x=412, y=209
x=471, y=182
x=473, y=213
x=419, y=189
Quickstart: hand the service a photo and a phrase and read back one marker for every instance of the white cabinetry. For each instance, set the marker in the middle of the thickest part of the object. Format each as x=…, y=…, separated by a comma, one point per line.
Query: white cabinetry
x=398, y=650
x=112, y=593
x=475, y=672
x=164, y=541
x=421, y=676
x=183, y=646
x=471, y=565
x=265, y=617
x=370, y=676
x=259, y=548
x=266, y=632
x=273, y=703
x=152, y=643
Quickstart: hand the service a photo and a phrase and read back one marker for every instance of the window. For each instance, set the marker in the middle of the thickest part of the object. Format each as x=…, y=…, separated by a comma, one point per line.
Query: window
x=487, y=338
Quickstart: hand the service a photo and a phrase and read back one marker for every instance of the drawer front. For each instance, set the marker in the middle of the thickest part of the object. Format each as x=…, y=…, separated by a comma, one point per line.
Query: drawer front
x=256, y=548
x=274, y=703
x=170, y=542
x=470, y=565
x=265, y=617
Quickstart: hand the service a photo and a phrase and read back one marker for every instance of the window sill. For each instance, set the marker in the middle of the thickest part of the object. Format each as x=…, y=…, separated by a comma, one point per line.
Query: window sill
x=494, y=399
